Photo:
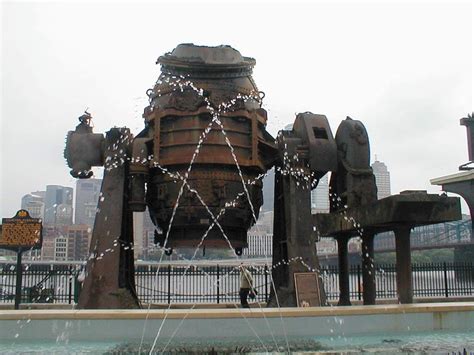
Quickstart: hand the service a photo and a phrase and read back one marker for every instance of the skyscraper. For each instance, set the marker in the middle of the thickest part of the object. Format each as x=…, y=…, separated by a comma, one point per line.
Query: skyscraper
x=382, y=179
x=78, y=240
x=58, y=205
x=268, y=190
x=34, y=204
x=87, y=197
x=320, y=196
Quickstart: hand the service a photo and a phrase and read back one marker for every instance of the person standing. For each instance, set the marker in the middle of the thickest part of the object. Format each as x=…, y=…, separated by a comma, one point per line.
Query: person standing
x=246, y=285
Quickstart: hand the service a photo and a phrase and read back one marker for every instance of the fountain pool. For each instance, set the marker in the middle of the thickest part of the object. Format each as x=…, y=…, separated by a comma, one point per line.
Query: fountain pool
x=418, y=327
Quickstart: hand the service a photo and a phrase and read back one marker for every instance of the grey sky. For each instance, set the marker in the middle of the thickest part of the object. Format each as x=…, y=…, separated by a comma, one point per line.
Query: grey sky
x=405, y=70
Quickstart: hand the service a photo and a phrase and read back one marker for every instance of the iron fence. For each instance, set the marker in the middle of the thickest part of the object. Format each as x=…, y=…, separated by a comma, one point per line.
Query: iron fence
x=40, y=284
x=429, y=280
x=209, y=284
x=220, y=283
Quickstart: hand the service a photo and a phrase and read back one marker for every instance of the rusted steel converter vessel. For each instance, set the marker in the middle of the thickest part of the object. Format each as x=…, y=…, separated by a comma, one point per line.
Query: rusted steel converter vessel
x=207, y=95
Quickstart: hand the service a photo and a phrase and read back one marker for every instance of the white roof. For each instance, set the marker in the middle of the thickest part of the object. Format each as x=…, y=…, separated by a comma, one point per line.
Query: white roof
x=458, y=177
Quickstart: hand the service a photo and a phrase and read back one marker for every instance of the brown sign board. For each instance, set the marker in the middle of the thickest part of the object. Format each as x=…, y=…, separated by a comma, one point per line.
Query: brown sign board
x=21, y=232
x=307, y=289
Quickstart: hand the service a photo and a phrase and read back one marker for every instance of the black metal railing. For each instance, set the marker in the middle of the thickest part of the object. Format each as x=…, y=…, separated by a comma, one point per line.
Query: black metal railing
x=210, y=284
x=220, y=283
x=41, y=283
x=429, y=280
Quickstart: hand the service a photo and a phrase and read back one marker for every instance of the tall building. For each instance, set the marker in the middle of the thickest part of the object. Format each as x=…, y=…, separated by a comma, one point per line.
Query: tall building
x=87, y=197
x=382, y=179
x=138, y=234
x=264, y=224
x=78, y=240
x=259, y=246
x=148, y=237
x=268, y=190
x=60, y=248
x=52, y=232
x=260, y=236
x=58, y=205
x=64, y=214
x=34, y=203
x=66, y=242
x=320, y=196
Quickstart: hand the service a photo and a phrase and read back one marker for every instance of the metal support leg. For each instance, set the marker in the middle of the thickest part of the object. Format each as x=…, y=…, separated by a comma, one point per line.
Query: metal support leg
x=404, y=276
x=109, y=281
x=344, y=297
x=294, y=244
x=368, y=268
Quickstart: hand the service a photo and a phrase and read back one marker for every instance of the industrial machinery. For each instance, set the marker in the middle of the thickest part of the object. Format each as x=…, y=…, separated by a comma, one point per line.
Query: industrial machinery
x=206, y=125
x=198, y=166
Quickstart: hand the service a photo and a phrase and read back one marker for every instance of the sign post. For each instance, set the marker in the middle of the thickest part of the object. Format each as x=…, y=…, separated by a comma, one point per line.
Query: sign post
x=19, y=234
x=19, y=278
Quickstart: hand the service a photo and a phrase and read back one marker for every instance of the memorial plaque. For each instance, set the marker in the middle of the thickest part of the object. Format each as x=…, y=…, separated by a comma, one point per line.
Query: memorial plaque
x=21, y=232
x=307, y=289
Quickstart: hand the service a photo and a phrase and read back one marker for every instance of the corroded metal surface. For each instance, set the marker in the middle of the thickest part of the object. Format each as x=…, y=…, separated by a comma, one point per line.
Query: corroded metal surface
x=300, y=167
x=109, y=281
x=317, y=143
x=353, y=184
x=84, y=149
x=198, y=85
x=406, y=209
x=197, y=166
x=205, y=126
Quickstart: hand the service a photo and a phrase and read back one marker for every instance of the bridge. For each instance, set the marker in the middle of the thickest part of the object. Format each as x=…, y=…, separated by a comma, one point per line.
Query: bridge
x=434, y=236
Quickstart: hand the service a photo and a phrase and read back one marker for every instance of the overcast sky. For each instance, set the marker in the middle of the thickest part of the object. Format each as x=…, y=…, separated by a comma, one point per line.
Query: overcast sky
x=405, y=70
